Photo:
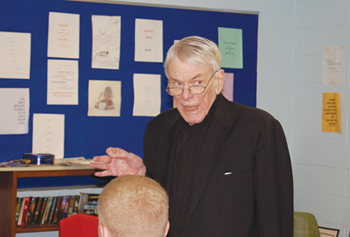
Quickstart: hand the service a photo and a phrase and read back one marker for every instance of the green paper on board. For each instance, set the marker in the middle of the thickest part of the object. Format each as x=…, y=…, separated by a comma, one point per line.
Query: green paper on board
x=231, y=47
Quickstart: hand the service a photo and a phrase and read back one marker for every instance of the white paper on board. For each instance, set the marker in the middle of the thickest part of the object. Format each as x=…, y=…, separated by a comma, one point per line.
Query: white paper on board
x=105, y=42
x=14, y=107
x=62, y=82
x=148, y=40
x=15, y=55
x=63, y=38
x=147, y=99
x=48, y=134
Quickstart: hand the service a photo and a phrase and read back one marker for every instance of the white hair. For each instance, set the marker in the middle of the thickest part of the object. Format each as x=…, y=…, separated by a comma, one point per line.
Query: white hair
x=195, y=50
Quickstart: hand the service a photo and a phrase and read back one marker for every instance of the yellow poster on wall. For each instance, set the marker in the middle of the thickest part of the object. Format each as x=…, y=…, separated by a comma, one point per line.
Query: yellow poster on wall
x=331, y=112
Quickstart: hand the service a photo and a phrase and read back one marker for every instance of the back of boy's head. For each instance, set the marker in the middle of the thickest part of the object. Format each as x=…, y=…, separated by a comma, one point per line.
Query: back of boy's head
x=134, y=206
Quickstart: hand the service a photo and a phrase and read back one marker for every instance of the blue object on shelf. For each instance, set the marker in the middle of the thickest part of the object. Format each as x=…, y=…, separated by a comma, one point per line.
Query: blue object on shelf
x=39, y=158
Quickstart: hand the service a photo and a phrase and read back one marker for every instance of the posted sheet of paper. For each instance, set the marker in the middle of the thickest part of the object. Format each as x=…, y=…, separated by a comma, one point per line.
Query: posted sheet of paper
x=331, y=112
x=333, y=65
x=147, y=99
x=104, y=98
x=105, y=42
x=48, y=134
x=227, y=89
x=15, y=55
x=231, y=47
x=62, y=82
x=14, y=107
x=328, y=232
x=63, y=39
x=148, y=40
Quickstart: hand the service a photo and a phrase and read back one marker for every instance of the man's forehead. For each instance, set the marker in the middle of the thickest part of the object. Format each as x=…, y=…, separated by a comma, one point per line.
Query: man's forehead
x=188, y=73
x=180, y=65
x=189, y=76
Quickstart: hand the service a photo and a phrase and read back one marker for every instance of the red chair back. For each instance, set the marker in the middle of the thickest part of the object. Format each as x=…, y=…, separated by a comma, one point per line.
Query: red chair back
x=79, y=225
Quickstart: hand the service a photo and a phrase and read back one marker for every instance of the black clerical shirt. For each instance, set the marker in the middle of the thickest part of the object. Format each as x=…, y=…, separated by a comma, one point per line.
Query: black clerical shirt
x=187, y=155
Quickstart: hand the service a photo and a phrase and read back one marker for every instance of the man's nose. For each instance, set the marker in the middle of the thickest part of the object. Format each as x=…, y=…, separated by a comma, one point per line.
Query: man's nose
x=186, y=94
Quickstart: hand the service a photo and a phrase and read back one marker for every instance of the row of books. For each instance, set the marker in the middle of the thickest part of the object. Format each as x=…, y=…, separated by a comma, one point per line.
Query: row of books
x=50, y=210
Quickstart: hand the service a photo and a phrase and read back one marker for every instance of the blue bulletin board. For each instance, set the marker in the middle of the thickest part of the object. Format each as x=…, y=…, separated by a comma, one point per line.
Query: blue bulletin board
x=88, y=136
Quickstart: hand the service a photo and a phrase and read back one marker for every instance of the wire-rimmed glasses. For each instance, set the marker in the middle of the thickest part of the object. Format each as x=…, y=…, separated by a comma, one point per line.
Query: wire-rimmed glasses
x=194, y=89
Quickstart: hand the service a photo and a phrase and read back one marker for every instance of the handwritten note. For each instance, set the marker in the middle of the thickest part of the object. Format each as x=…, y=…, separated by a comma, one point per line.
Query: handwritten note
x=14, y=107
x=15, y=55
x=63, y=38
x=230, y=45
x=148, y=40
x=146, y=95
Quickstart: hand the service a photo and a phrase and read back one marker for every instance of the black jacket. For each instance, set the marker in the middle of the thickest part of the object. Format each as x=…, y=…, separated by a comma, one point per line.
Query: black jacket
x=244, y=186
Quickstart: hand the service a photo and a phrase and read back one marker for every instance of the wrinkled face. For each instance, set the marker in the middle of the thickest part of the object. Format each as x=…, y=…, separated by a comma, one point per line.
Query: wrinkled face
x=194, y=108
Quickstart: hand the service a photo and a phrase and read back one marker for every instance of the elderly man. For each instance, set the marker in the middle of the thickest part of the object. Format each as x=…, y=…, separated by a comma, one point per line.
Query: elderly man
x=225, y=166
x=135, y=206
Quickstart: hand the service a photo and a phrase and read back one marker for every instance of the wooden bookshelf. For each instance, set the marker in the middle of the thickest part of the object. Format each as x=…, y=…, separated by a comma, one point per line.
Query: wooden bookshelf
x=8, y=193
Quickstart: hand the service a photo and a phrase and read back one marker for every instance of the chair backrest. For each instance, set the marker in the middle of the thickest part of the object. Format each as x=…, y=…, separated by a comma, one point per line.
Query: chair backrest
x=305, y=225
x=79, y=225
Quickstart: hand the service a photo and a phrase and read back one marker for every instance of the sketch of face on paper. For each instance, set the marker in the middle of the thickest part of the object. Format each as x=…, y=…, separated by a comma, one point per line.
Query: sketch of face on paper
x=104, y=98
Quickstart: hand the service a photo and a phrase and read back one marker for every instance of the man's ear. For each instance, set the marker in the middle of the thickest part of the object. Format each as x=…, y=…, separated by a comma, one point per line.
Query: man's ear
x=102, y=231
x=220, y=77
x=167, y=228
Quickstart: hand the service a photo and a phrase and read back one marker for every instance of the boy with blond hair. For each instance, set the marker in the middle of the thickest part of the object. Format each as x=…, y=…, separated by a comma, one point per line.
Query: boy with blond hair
x=133, y=206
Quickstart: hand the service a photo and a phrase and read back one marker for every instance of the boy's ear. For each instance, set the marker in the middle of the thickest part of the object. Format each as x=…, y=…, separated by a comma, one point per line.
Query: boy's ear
x=102, y=231
x=167, y=228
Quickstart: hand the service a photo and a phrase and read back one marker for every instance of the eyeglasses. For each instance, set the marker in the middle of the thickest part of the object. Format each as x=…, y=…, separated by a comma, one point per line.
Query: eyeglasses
x=194, y=89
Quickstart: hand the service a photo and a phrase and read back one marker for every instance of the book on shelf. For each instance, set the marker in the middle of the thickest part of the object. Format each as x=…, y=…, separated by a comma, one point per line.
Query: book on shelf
x=52, y=209
x=37, y=210
x=92, y=212
x=64, y=215
x=18, y=207
x=20, y=215
x=88, y=203
x=70, y=205
x=63, y=208
x=24, y=210
x=93, y=199
x=90, y=206
x=76, y=204
x=88, y=199
x=41, y=211
x=47, y=210
x=83, y=200
x=30, y=212
x=57, y=208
